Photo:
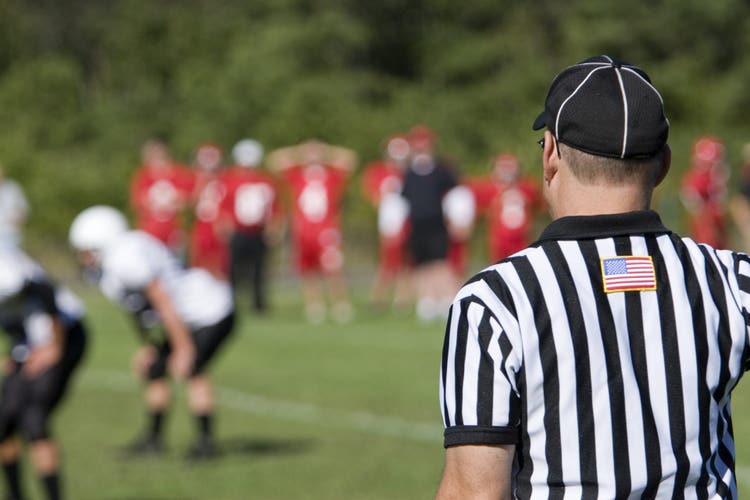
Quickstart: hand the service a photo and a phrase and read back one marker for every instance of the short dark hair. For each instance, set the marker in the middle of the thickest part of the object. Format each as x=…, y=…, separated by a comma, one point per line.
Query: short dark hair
x=593, y=169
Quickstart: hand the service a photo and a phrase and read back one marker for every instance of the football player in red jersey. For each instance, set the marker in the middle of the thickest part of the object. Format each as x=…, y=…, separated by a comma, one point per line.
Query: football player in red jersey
x=382, y=181
x=315, y=174
x=159, y=191
x=510, y=202
x=252, y=208
x=208, y=245
x=704, y=192
x=459, y=210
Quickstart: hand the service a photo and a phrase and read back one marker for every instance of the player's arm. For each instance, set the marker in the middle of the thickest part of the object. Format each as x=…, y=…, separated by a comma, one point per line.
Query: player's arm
x=691, y=194
x=341, y=158
x=225, y=225
x=282, y=159
x=138, y=195
x=370, y=188
x=183, y=349
x=276, y=226
x=479, y=456
x=477, y=472
x=45, y=356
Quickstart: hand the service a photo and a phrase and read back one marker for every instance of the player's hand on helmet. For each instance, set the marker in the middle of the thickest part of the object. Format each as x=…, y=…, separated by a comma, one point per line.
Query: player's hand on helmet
x=42, y=359
x=181, y=360
x=143, y=359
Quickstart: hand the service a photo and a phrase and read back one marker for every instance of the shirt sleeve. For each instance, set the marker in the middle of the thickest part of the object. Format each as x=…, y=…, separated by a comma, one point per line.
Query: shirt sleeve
x=742, y=270
x=448, y=178
x=479, y=398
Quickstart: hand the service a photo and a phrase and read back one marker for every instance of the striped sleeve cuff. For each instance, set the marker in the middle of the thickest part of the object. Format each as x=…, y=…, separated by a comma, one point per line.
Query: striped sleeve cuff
x=473, y=434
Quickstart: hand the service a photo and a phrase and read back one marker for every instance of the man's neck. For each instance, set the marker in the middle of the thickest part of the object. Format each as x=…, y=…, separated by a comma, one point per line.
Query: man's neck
x=599, y=200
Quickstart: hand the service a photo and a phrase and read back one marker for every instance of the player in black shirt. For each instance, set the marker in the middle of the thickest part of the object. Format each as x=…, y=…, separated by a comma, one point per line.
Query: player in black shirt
x=426, y=182
x=47, y=341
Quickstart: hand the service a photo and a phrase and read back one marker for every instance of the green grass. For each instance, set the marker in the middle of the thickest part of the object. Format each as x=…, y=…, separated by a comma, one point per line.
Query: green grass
x=314, y=412
x=317, y=412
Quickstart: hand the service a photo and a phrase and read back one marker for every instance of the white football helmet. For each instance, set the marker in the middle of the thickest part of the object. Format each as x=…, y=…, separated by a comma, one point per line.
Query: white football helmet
x=247, y=153
x=96, y=228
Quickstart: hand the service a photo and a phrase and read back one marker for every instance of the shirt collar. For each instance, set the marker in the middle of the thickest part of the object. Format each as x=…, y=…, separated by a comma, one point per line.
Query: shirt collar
x=603, y=226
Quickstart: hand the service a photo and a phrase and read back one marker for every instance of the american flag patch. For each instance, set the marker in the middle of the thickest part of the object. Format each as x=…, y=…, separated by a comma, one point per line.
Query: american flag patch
x=628, y=273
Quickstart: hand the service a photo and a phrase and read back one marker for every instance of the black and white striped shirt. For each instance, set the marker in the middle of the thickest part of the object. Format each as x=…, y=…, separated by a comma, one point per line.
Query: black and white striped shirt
x=604, y=395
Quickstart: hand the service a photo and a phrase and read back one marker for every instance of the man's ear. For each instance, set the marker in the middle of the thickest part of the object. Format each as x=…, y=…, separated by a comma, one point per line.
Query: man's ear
x=666, y=161
x=550, y=158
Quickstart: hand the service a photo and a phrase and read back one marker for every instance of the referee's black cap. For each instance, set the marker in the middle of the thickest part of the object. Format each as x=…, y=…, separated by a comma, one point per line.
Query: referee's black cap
x=607, y=108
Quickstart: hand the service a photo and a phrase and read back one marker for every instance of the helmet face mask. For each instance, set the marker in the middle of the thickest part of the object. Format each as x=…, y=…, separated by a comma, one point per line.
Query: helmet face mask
x=90, y=266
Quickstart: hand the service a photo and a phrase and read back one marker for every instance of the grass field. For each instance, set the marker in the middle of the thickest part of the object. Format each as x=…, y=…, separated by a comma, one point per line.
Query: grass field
x=314, y=412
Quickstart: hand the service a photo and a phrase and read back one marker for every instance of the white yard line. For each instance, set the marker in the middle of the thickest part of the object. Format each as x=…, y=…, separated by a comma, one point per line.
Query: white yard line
x=237, y=400
x=253, y=404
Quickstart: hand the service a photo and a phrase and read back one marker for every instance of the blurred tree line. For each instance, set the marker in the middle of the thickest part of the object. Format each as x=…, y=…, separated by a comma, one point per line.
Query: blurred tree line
x=84, y=82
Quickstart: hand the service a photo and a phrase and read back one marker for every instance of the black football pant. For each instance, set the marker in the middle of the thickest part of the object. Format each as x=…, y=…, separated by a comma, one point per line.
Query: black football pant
x=27, y=403
x=248, y=263
x=207, y=340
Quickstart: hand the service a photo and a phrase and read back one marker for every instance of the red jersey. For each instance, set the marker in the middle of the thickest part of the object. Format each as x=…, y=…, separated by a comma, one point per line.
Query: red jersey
x=208, y=249
x=316, y=192
x=704, y=193
x=509, y=209
x=157, y=196
x=380, y=179
x=251, y=199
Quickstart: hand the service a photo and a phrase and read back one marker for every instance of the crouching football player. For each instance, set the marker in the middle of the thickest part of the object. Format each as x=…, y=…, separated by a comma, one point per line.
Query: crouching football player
x=194, y=310
x=47, y=340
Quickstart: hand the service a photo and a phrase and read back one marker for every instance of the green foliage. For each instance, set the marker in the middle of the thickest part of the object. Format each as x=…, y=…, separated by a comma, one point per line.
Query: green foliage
x=84, y=82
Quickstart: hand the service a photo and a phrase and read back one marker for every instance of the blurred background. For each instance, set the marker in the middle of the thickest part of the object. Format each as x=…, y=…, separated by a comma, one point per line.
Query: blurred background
x=84, y=82
x=352, y=409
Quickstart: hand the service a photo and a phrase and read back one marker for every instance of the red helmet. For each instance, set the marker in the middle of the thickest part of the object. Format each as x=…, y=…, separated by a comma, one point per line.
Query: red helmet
x=208, y=157
x=421, y=137
x=397, y=147
x=155, y=153
x=506, y=166
x=708, y=150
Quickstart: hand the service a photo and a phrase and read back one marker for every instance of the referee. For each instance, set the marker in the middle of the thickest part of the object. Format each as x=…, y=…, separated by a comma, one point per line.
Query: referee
x=599, y=362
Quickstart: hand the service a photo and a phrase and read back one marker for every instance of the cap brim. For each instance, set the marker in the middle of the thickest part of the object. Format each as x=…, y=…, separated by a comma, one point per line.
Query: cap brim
x=540, y=122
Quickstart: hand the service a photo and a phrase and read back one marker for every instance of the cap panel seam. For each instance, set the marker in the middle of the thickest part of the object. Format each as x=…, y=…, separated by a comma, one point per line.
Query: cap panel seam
x=575, y=91
x=598, y=63
x=651, y=86
x=625, y=113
